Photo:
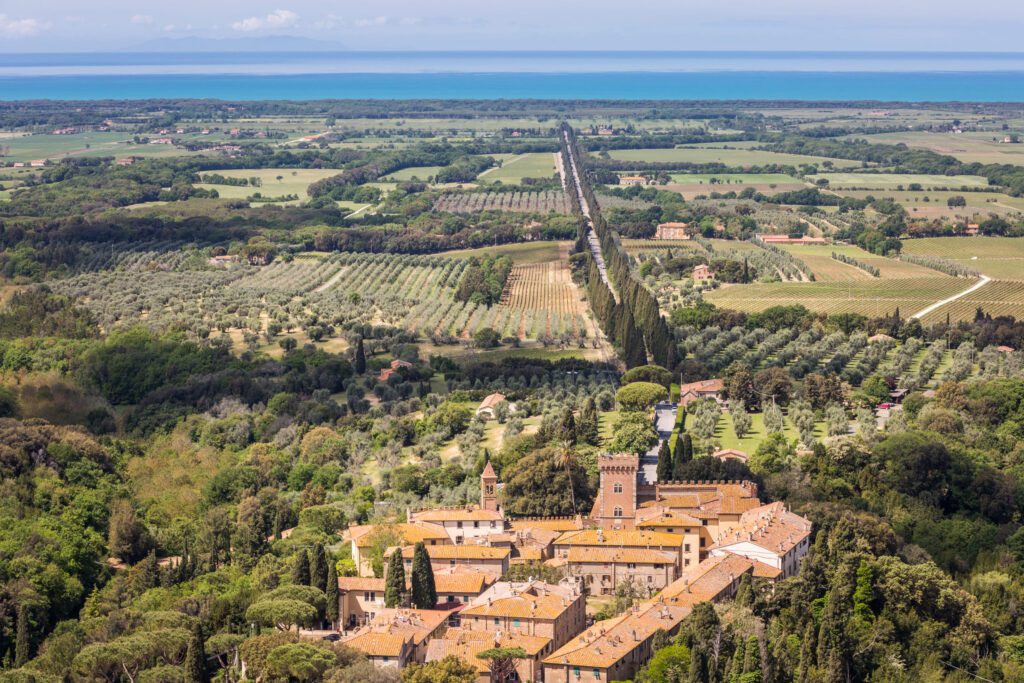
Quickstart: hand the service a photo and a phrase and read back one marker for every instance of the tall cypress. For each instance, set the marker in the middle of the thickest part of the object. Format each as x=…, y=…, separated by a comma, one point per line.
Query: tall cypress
x=683, y=455
x=587, y=427
x=394, y=584
x=21, y=644
x=360, y=357
x=195, y=658
x=567, y=426
x=300, y=572
x=424, y=592
x=333, y=610
x=318, y=568
x=664, y=462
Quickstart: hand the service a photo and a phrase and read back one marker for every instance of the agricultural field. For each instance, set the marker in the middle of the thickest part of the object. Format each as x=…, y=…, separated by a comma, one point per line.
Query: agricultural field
x=520, y=252
x=515, y=167
x=421, y=173
x=983, y=147
x=898, y=181
x=730, y=157
x=275, y=182
x=819, y=259
x=926, y=204
x=543, y=301
x=543, y=201
x=999, y=297
x=998, y=257
x=692, y=185
x=874, y=297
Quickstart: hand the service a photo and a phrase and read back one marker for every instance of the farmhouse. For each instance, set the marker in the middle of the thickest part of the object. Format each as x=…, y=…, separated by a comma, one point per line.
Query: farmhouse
x=392, y=368
x=486, y=410
x=705, y=388
x=703, y=272
x=631, y=180
x=672, y=231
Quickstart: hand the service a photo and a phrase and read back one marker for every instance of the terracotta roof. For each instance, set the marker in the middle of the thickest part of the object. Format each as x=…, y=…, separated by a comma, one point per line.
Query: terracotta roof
x=463, y=514
x=413, y=624
x=461, y=580
x=764, y=571
x=358, y=583
x=707, y=581
x=621, y=556
x=529, y=600
x=375, y=644
x=488, y=471
x=771, y=527
x=566, y=524
x=608, y=641
x=410, y=532
x=731, y=505
x=664, y=518
x=491, y=400
x=704, y=385
x=466, y=645
x=460, y=552
x=619, y=538
x=529, y=555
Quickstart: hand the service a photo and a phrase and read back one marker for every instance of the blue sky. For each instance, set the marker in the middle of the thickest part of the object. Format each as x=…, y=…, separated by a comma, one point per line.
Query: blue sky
x=939, y=25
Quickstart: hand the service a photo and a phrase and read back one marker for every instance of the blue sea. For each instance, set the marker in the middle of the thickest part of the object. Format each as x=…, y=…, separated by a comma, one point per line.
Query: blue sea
x=840, y=76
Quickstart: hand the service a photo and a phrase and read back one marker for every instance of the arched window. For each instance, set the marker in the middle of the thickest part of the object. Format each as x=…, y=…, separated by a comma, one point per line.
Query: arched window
x=617, y=512
x=617, y=488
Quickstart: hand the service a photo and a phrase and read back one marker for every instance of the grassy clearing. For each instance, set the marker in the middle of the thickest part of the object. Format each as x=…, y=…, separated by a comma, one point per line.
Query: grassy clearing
x=892, y=181
x=731, y=157
x=515, y=167
x=997, y=257
x=934, y=204
x=726, y=435
x=732, y=178
x=981, y=147
x=275, y=182
x=423, y=173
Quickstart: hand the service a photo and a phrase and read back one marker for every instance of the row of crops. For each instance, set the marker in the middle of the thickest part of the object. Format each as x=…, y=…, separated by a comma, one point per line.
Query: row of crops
x=322, y=295
x=544, y=201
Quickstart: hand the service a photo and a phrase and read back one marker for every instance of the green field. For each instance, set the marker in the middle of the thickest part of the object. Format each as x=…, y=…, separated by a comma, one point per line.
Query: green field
x=892, y=181
x=521, y=252
x=999, y=297
x=415, y=172
x=515, y=167
x=983, y=147
x=726, y=435
x=997, y=257
x=871, y=297
x=933, y=204
x=716, y=179
x=818, y=258
x=292, y=181
x=730, y=157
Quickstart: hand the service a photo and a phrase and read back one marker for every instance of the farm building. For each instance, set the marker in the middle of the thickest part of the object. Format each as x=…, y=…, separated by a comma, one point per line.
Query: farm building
x=705, y=388
x=786, y=239
x=632, y=180
x=490, y=402
x=731, y=454
x=671, y=231
x=703, y=272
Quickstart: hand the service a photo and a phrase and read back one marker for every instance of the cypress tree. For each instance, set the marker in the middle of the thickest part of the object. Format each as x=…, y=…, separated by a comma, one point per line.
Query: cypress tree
x=21, y=644
x=424, y=593
x=278, y=524
x=567, y=426
x=195, y=658
x=394, y=584
x=318, y=568
x=360, y=360
x=332, y=594
x=300, y=572
x=587, y=427
x=150, y=571
x=664, y=462
x=683, y=455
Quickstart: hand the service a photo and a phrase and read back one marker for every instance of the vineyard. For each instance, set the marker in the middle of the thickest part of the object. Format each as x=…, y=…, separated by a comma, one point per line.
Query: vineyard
x=999, y=297
x=544, y=201
x=321, y=296
x=997, y=257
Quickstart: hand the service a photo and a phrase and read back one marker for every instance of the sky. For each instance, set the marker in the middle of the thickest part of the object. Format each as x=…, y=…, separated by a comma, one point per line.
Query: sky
x=867, y=25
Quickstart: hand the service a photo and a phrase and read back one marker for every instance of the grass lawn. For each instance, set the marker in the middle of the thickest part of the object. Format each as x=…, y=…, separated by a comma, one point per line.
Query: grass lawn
x=606, y=424
x=275, y=182
x=998, y=257
x=515, y=167
x=413, y=173
x=727, y=179
x=726, y=435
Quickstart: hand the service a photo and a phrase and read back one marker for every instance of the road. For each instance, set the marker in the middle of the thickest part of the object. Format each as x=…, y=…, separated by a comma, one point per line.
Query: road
x=595, y=244
x=664, y=423
x=985, y=279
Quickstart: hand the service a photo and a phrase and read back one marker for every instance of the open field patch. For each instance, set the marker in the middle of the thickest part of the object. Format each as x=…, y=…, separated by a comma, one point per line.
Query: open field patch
x=827, y=269
x=730, y=157
x=983, y=147
x=894, y=181
x=515, y=167
x=999, y=297
x=998, y=257
x=271, y=182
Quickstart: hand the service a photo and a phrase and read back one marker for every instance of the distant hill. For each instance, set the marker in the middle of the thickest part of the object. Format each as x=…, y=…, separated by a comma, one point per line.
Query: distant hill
x=243, y=44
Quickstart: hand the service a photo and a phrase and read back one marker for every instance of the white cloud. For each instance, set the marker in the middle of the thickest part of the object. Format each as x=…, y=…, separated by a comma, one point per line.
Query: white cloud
x=15, y=28
x=280, y=18
x=142, y=19
x=375, y=21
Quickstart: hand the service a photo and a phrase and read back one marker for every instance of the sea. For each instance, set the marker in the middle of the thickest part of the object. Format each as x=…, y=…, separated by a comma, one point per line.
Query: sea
x=819, y=76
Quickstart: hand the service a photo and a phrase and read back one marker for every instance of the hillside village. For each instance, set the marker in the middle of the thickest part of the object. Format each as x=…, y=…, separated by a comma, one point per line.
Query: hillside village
x=675, y=544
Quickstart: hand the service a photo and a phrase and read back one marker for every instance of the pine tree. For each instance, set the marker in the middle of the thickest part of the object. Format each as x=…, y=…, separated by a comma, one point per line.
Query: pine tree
x=300, y=572
x=195, y=658
x=394, y=584
x=424, y=592
x=318, y=568
x=332, y=594
x=150, y=571
x=360, y=357
x=21, y=644
x=664, y=462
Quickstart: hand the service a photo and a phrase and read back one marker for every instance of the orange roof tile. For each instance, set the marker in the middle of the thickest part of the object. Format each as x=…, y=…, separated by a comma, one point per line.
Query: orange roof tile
x=620, y=538
x=529, y=600
x=460, y=552
x=376, y=644
x=463, y=514
x=410, y=532
x=621, y=556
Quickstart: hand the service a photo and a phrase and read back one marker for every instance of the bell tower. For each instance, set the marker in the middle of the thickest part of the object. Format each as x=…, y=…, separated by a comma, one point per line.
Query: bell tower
x=617, y=509
x=488, y=489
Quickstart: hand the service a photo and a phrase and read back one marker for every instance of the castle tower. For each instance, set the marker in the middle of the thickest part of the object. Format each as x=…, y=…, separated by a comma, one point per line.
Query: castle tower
x=617, y=505
x=488, y=489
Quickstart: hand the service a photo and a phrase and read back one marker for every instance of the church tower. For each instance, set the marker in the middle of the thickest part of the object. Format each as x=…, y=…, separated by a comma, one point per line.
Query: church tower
x=488, y=489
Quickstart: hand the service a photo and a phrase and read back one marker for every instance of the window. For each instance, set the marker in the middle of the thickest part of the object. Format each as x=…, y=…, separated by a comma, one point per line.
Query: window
x=687, y=530
x=497, y=621
x=668, y=530
x=686, y=563
x=476, y=525
x=597, y=674
x=576, y=671
x=451, y=562
x=702, y=543
x=686, y=547
x=458, y=525
x=650, y=579
x=630, y=565
x=515, y=622
x=451, y=598
x=617, y=488
x=492, y=524
x=617, y=512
